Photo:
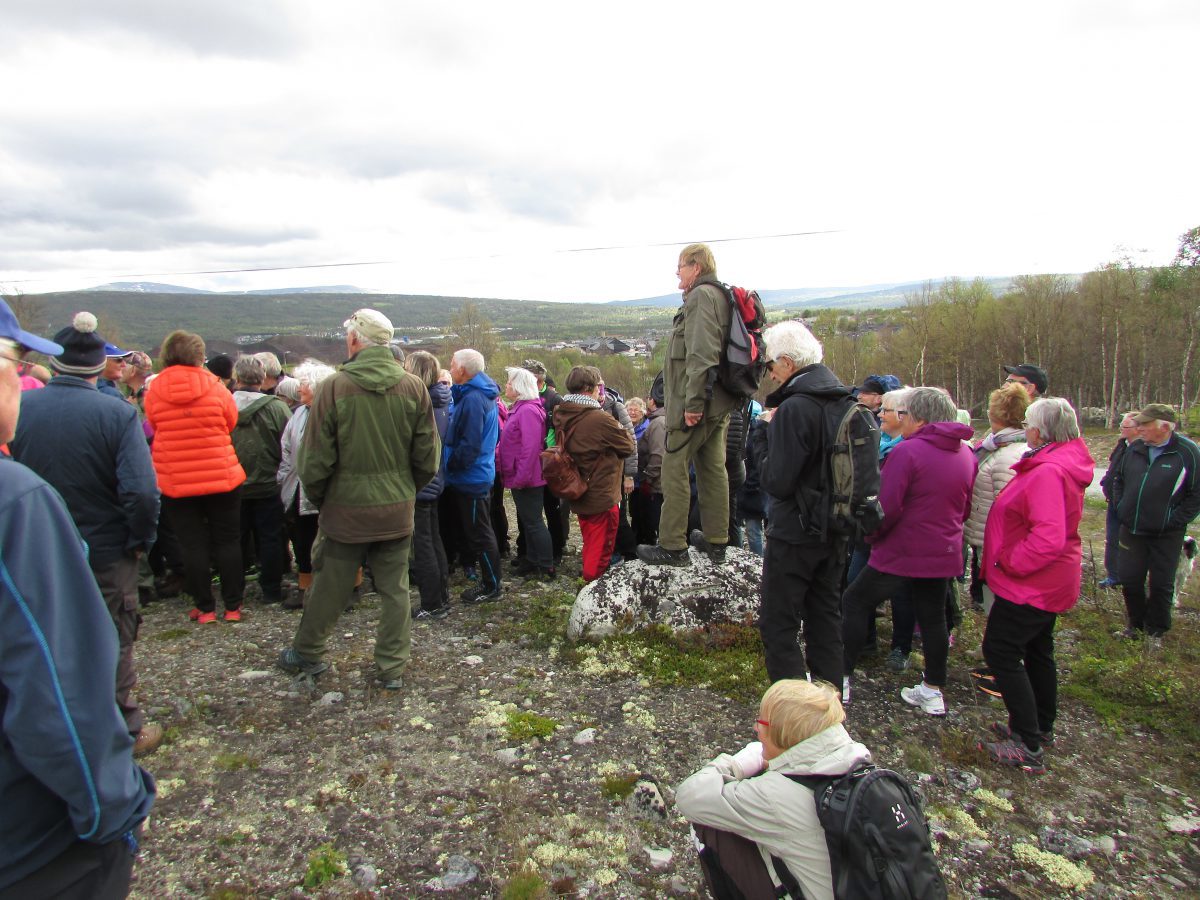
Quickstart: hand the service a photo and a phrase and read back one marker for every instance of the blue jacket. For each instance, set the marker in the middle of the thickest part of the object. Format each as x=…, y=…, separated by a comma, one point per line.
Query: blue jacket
x=109, y=387
x=470, y=446
x=92, y=449
x=66, y=758
x=439, y=395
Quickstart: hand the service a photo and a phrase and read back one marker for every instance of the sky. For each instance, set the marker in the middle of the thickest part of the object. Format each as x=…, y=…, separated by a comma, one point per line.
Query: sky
x=486, y=149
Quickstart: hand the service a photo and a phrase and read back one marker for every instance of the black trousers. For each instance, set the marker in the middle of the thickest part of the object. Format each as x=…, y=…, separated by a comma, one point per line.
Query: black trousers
x=263, y=517
x=475, y=529
x=871, y=588
x=1018, y=646
x=499, y=516
x=430, y=571
x=209, y=520
x=800, y=590
x=1156, y=555
x=81, y=872
x=644, y=511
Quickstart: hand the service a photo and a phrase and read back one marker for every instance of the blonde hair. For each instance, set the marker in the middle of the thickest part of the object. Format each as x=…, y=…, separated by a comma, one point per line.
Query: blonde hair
x=1008, y=403
x=702, y=256
x=798, y=709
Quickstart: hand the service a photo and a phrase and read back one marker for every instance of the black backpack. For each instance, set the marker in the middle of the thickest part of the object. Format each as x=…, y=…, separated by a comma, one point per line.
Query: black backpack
x=743, y=363
x=878, y=840
x=849, y=498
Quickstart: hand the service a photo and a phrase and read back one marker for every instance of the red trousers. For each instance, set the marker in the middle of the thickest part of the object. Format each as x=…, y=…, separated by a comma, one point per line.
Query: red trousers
x=599, y=537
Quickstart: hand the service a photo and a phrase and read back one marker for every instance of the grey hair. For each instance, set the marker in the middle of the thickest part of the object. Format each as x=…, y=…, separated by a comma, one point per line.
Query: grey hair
x=248, y=370
x=271, y=366
x=312, y=372
x=897, y=398
x=523, y=381
x=637, y=402
x=793, y=341
x=472, y=361
x=1054, y=418
x=929, y=405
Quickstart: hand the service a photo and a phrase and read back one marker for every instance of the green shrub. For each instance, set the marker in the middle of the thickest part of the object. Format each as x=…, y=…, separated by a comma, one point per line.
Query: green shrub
x=524, y=725
x=324, y=864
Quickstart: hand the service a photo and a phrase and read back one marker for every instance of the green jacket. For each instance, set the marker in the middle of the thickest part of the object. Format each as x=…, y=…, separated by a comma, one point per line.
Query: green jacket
x=700, y=331
x=370, y=445
x=256, y=440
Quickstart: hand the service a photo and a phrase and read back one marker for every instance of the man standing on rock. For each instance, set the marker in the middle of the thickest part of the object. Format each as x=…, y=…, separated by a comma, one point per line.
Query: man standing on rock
x=370, y=445
x=697, y=416
x=803, y=563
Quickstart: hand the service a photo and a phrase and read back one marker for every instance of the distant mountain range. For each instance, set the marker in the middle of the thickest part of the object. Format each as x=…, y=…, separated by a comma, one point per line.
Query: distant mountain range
x=153, y=287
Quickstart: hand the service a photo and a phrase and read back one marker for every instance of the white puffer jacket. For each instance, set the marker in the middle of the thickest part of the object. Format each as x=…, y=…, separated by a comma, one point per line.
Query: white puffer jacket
x=995, y=471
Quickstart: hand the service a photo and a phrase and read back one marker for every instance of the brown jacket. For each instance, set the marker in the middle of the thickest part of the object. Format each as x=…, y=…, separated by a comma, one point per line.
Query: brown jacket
x=599, y=446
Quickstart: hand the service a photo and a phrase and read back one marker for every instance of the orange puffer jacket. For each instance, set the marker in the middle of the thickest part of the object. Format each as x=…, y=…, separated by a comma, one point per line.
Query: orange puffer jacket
x=192, y=415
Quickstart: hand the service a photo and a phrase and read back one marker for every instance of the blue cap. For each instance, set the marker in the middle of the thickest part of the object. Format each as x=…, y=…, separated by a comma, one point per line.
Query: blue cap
x=112, y=350
x=10, y=329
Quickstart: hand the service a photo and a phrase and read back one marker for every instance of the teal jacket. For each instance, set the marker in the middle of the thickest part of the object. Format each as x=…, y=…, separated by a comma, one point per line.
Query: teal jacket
x=370, y=445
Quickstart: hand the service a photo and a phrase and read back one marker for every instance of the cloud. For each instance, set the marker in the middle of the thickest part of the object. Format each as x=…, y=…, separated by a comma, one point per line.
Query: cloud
x=258, y=29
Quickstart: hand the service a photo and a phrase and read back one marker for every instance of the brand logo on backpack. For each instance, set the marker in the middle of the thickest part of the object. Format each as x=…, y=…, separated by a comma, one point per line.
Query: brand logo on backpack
x=901, y=818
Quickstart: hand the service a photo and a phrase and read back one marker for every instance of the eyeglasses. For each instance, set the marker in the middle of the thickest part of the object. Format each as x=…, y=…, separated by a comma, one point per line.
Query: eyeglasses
x=901, y=413
x=763, y=722
x=1014, y=380
x=884, y=409
x=684, y=265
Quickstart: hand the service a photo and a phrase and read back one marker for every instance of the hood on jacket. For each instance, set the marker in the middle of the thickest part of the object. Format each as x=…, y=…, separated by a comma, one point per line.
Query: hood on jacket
x=183, y=385
x=1072, y=457
x=479, y=382
x=250, y=402
x=374, y=369
x=943, y=435
x=815, y=380
x=829, y=752
x=439, y=395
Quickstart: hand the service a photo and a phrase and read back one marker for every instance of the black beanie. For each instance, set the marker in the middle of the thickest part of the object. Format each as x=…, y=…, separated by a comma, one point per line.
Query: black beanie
x=83, y=348
x=221, y=366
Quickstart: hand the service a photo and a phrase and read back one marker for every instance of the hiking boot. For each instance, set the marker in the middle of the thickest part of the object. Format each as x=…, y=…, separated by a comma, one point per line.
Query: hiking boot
x=169, y=585
x=926, y=699
x=1005, y=733
x=714, y=552
x=658, y=555
x=389, y=684
x=271, y=599
x=481, y=594
x=1014, y=753
x=295, y=664
x=521, y=566
x=897, y=660
x=148, y=739
x=429, y=615
x=294, y=599
x=233, y=615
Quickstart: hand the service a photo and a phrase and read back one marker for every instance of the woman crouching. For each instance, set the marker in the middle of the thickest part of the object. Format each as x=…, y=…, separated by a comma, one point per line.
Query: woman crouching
x=740, y=821
x=1031, y=563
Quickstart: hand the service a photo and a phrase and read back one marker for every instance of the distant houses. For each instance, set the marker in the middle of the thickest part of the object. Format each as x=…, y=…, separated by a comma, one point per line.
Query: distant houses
x=604, y=346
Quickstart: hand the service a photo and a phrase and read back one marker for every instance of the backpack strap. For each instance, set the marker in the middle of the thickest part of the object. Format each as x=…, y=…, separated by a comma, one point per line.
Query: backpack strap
x=788, y=885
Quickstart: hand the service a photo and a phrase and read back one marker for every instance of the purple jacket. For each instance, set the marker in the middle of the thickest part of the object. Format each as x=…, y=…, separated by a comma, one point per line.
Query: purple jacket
x=521, y=444
x=925, y=491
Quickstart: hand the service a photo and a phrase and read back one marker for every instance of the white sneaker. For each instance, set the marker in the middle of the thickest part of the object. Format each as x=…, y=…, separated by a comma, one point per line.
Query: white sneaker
x=845, y=690
x=929, y=700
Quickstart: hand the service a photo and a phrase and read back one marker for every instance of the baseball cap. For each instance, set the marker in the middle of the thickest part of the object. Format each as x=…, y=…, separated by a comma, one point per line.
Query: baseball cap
x=10, y=329
x=112, y=351
x=1035, y=374
x=1156, y=412
x=372, y=325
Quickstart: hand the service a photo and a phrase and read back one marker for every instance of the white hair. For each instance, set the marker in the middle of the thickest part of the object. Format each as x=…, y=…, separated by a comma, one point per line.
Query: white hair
x=312, y=372
x=472, y=361
x=524, y=383
x=896, y=399
x=271, y=366
x=1054, y=418
x=792, y=340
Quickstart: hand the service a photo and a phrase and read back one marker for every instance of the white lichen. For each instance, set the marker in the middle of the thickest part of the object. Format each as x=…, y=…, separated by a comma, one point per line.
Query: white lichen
x=1058, y=869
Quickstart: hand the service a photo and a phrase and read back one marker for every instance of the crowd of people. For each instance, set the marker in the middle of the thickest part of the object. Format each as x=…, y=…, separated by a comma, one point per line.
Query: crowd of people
x=215, y=472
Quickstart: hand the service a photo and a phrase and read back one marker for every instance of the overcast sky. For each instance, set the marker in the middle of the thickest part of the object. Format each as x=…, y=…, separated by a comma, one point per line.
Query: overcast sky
x=472, y=147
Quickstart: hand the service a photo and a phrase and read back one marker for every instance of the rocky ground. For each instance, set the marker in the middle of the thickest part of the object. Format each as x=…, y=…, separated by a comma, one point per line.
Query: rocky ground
x=511, y=765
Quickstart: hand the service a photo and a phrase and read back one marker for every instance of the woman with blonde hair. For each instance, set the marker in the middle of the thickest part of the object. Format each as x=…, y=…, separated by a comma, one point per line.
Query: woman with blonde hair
x=744, y=808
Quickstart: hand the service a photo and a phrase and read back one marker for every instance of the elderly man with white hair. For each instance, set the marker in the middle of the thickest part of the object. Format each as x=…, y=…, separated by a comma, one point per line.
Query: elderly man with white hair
x=1157, y=495
x=369, y=446
x=803, y=563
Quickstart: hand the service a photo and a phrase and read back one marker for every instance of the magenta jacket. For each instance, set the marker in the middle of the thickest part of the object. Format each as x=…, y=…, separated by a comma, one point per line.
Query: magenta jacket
x=521, y=444
x=925, y=491
x=1031, y=547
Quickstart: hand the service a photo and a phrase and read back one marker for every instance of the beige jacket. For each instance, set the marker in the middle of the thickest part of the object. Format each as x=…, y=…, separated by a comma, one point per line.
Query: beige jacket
x=770, y=809
x=995, y=471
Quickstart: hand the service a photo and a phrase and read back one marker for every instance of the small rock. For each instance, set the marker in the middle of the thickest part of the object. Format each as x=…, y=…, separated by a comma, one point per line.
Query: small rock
x=647, y=802
x=459, y=871
x=1106, y=844
x=365, y=876
x=963, y=781
x=254, y=675
x=660, y=857
x=1182, y=824
x=679, y=886
x=587, y=736
x=1065, y=843
x=473, y=660
x=509, y=755
x=978, y=846
x=331, y=698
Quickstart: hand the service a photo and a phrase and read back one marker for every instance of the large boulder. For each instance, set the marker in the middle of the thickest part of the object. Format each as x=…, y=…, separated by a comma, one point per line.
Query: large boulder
x=633, y=595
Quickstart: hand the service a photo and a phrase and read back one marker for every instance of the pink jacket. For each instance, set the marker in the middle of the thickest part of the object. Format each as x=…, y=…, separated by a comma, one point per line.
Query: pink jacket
x=521, y=442
x=1031, y=547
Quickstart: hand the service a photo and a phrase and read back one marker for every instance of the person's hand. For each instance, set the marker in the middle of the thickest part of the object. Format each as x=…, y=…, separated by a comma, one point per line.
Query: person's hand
x=628, y=485
x=691, y=420
x=767, y=415
x=750, y=759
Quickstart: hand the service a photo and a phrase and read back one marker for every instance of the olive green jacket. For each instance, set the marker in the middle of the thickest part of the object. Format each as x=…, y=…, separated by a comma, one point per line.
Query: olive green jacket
x=700, y=331
x=256, y=440
x=370, y=445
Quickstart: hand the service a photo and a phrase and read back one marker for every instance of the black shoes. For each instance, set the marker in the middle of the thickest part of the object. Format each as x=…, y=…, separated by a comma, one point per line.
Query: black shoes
x=657, y=555
x=714, y=552
x=427, y=615
x=481, y=594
